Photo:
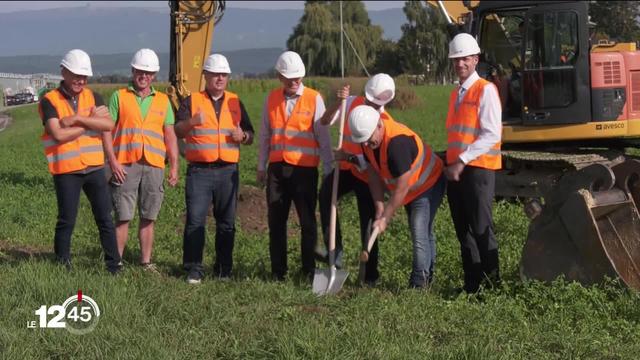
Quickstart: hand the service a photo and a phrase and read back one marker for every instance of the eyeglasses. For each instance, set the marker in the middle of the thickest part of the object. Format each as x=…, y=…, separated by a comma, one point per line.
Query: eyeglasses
x=216, y=75
x=370, y=142
x=143, y=73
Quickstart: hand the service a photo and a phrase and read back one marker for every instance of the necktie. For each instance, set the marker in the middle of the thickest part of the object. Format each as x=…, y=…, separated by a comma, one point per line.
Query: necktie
x=460, y=97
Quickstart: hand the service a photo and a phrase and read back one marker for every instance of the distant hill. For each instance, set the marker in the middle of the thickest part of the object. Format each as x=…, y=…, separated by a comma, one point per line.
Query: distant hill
x=250, y=61
x=124, y=30
x=246, y=28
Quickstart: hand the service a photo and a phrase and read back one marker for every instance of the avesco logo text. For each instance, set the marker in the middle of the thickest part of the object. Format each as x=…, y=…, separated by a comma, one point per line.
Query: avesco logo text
x=79, y=314
x=610, y=126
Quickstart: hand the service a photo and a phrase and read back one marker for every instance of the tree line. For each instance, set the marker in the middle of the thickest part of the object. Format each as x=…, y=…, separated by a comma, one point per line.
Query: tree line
x=423, y=47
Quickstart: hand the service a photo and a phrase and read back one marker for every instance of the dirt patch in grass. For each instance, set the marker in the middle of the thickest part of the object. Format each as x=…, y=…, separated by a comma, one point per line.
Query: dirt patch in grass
x=313, y=309
x=251, y=214
x=10, y=251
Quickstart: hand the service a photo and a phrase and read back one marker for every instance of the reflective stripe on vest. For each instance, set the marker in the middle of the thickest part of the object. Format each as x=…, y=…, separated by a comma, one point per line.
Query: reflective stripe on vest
x=463, y=128
x=212, y=140
x=196, y=147
x=425, y=170
x=134, y=137
x=349, y=146
x=293, y=139
x=79, y=153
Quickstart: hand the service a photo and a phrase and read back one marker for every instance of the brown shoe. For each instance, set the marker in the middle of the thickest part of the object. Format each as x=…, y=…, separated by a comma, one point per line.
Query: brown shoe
x=150, y=268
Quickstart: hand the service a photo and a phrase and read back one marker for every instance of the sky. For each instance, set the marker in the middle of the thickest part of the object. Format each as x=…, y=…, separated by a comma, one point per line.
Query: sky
x=13, y=6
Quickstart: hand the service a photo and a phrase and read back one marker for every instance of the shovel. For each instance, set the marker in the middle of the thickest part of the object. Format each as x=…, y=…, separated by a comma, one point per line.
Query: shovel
x=364, y=255
x=330, y=281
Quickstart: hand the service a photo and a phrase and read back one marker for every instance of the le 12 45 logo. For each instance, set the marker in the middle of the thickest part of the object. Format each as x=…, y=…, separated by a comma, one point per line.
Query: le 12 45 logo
x=79, y=314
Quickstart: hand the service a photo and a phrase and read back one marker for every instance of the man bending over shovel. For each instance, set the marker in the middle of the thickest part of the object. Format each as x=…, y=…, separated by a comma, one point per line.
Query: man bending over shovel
x=406, y=167
x=379, y=91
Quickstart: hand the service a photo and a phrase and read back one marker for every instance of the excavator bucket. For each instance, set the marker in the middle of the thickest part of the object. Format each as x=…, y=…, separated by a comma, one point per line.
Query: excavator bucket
x=589, y=228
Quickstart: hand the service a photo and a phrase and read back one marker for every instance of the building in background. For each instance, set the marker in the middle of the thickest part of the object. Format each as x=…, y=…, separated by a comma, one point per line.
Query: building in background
x=21, y=88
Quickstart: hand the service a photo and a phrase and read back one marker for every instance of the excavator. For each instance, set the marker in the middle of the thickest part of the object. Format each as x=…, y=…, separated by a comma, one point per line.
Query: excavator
x=571, y=108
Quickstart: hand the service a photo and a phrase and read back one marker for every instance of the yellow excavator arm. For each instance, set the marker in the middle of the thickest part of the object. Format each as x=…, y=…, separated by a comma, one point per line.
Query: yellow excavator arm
x=453, y=10
x=192, y=24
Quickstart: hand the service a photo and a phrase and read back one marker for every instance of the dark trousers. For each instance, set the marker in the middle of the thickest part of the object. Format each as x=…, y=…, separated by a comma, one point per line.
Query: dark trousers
x=470, y=201
x=208, y=185
x=94, y=185
x=366, y=211
x=286, y=183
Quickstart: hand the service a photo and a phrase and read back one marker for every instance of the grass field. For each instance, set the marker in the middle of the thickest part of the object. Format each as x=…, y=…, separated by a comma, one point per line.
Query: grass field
x=162, y=317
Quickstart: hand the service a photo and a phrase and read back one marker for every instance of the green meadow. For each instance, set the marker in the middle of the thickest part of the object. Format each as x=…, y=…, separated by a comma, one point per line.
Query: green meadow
x=147, y=316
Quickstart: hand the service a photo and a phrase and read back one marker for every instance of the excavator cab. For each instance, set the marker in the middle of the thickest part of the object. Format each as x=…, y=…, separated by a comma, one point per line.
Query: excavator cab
x=538, y=57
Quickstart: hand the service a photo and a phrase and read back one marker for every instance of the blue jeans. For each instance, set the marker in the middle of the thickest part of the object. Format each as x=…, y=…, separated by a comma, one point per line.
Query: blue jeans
x=421, y=213
x=206, y=185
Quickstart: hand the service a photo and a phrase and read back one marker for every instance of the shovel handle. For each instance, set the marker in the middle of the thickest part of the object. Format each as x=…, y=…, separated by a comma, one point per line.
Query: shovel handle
x=343, y=116
x=372, y=238
x=364, y=255
x=334, y=191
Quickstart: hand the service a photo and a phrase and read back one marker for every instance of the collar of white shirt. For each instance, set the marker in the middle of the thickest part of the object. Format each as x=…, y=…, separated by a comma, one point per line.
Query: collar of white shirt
x=470, y=81
x=298, y=92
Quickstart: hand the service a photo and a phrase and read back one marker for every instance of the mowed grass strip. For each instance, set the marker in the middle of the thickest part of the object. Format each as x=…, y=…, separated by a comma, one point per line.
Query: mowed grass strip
x=161, y=317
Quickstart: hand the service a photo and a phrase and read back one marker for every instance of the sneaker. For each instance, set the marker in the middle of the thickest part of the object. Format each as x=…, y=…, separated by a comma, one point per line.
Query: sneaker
x=194, y=277
x=150, y=268
x=115, y=270
x=221, y=273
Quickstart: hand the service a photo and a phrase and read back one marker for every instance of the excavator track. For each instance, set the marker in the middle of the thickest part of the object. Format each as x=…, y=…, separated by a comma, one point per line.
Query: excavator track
x=533, y=174
x=583, y=205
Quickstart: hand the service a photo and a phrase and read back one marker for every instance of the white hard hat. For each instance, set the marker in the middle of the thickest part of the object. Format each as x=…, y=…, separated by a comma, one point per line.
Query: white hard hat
x=290, y=65
x=380, y=89
x=217, y=63
x=145, y=60
x=463, y=45
x=363, y=120
x=78, y=62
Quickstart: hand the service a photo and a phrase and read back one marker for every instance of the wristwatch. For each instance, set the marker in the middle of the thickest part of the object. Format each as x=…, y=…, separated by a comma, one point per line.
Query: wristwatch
x=353, y=159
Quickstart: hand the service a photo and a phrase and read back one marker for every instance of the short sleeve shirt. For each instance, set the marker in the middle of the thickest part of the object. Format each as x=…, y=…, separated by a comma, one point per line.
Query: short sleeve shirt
x=143, y=103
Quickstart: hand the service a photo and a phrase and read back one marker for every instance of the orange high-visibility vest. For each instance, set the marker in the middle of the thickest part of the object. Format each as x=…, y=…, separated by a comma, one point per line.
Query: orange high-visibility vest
x=79, y=153
x=293, y=140
x=463, y=127
x=212, y=140
x=351, y=147
x=425, y=169
x=355, y=148
x=134, y=137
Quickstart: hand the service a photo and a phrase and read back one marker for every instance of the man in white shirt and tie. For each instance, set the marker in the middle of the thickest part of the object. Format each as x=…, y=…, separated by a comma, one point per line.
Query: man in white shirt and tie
x=474, y=128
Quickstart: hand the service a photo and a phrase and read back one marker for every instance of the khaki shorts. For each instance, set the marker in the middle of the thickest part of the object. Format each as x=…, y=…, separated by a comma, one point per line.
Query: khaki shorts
x=143, y=185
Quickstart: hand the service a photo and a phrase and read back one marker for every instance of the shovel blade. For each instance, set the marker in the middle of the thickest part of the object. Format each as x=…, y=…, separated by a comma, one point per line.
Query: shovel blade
x=328, y=281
